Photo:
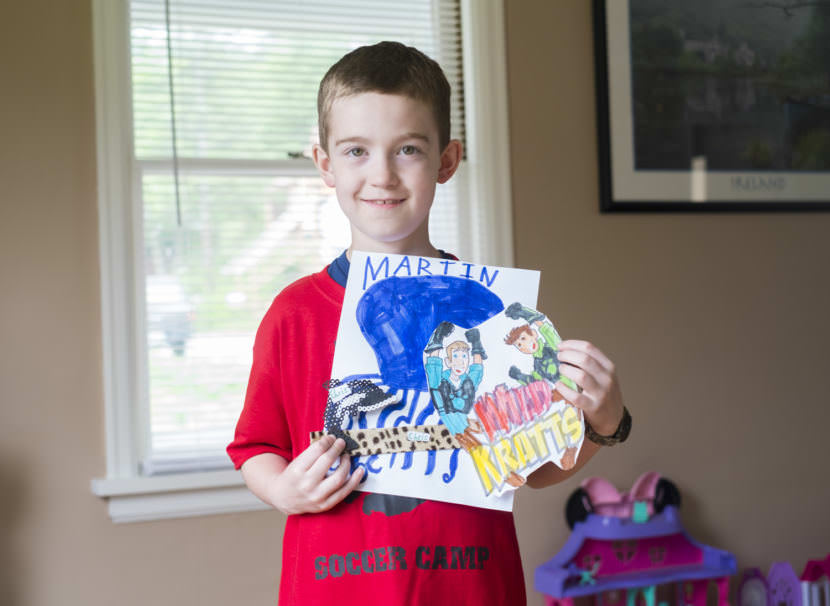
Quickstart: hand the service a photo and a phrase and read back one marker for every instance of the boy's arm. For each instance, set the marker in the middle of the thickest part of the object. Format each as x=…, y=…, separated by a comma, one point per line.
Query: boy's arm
x=549, y=474
x=301, y=486
x=599, y=396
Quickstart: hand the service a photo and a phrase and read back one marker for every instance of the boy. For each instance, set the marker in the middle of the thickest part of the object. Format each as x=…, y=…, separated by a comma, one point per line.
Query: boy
x=384, y=144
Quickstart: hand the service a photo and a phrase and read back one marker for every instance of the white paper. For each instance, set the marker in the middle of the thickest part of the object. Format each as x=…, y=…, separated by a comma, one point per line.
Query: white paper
x=391, y=306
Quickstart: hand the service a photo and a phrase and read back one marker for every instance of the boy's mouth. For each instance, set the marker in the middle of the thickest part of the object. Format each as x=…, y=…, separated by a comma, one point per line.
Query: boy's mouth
x=383, y=201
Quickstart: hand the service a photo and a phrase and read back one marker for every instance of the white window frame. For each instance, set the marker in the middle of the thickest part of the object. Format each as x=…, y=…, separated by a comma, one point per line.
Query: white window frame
x=131, y=496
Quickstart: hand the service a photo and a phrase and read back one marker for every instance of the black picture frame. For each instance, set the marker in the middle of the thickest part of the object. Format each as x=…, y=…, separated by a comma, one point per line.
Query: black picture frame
x=730, y=133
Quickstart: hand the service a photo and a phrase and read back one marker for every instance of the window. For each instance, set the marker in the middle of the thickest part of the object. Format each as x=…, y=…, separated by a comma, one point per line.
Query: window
x=209, y=205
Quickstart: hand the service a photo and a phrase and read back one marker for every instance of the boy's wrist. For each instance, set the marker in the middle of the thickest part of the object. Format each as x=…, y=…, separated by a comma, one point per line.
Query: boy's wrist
x=620, y=434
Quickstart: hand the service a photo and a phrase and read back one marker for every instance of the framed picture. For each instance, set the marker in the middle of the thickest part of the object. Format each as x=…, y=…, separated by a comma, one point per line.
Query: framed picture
x=713, y=104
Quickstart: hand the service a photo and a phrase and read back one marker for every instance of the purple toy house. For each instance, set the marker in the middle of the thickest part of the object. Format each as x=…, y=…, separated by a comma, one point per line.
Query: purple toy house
x=624, y=545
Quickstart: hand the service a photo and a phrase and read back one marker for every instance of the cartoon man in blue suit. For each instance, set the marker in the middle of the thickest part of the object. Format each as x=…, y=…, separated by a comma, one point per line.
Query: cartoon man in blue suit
x=453, y=388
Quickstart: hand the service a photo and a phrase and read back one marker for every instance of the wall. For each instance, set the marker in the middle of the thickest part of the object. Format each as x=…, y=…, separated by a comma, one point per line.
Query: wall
x=716, y=323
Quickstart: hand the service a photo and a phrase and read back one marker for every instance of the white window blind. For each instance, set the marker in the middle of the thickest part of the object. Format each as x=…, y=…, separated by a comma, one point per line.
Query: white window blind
x=230, y=207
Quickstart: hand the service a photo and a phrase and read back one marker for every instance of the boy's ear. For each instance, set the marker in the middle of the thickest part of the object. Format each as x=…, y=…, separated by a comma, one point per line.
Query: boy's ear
x=450, y=159
x=323, y=164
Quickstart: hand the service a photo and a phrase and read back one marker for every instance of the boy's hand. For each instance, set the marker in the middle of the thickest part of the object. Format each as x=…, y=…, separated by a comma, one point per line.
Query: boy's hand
x=303, y=486
x=594, y=373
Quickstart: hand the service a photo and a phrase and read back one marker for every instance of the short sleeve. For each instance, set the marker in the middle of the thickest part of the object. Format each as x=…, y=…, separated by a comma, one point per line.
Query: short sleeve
x=262, y=425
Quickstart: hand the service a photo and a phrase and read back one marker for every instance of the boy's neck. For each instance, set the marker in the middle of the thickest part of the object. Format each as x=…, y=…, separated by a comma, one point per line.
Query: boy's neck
x=425, y=250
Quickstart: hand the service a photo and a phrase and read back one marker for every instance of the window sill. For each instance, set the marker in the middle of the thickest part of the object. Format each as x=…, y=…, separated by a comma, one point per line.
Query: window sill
x=142, y=499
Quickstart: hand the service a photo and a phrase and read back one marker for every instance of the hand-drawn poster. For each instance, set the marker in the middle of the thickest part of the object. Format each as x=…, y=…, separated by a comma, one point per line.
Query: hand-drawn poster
x=400, y=314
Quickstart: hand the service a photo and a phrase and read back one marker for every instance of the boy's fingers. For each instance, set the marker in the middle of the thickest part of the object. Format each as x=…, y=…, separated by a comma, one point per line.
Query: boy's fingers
x=306, y=458
x=337, y=478
x=590, y=349
x=340, y=494
x=582, y=360
x=318, y=470
x=580, y=400
x=566, y=392
x=583, y=379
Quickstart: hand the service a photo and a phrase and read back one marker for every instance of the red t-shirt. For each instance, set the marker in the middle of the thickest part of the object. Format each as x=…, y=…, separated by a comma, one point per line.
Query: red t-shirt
x=369, y=549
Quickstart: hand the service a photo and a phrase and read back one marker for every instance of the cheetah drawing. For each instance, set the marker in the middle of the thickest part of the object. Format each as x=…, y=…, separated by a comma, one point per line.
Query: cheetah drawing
x=348, y=400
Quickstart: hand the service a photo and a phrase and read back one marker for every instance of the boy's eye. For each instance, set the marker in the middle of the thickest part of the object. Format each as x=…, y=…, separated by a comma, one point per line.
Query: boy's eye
x=408, y=150
x=356, y=152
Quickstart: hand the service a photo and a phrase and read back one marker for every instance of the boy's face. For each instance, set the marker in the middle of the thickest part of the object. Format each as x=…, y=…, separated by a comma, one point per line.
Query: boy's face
x=384, y=160
x=526, y=343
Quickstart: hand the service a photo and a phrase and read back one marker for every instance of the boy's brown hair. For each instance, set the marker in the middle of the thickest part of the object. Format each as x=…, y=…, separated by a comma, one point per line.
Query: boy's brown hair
x=517, y=332
x=390, y=68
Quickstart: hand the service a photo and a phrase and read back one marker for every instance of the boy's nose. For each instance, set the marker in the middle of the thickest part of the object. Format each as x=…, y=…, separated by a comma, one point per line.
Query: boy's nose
x=383, y=174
